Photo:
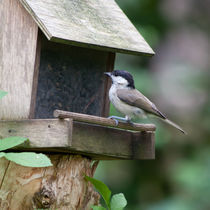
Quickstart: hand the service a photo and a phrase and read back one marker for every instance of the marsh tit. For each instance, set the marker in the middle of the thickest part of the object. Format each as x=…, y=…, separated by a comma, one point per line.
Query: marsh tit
x=129, y=101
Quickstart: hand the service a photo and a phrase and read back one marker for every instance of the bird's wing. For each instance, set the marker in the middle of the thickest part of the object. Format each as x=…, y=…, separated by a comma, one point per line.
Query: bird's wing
x=134, y=98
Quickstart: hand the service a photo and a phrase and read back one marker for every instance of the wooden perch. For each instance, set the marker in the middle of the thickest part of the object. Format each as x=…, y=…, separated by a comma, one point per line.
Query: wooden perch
x=103, y=121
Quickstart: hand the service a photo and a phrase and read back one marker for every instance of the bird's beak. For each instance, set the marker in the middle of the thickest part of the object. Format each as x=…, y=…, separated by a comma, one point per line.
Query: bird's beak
x=108, y=73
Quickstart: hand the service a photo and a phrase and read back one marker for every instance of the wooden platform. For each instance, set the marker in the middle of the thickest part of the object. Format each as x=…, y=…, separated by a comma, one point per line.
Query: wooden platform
x=69, y=136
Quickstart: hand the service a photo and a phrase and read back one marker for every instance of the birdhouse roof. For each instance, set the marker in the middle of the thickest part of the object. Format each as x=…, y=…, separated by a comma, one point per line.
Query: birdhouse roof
x=97, y=24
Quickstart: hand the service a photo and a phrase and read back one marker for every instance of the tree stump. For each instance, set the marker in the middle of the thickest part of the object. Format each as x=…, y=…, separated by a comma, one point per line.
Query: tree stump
x=61, y=186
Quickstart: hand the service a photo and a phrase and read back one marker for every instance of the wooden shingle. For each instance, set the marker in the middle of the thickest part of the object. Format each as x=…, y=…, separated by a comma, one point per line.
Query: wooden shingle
x=94, y=24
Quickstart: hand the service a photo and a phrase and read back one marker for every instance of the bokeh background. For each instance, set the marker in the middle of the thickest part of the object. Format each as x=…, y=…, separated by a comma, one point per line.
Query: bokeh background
x=177, y=80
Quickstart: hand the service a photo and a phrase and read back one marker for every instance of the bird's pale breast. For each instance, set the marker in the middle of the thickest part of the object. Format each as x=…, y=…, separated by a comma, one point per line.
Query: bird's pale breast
x=122, y=107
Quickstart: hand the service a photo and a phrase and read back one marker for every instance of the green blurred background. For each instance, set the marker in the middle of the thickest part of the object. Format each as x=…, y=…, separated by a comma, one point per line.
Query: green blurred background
x=176, y=79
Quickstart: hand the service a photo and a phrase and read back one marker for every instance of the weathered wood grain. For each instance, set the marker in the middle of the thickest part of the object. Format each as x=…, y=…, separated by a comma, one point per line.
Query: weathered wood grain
x=92, y=24
x=35, y=76
x=107, y=85
x=18, y=39
x=72, y=79
x=42, y=133
x=4, y=164
x=144, y=143
x=103, y=121
x=61, y=186
x=94, y=141
x=109, y=143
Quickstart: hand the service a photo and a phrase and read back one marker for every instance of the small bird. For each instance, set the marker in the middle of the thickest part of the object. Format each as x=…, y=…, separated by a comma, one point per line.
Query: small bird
x=130, y=102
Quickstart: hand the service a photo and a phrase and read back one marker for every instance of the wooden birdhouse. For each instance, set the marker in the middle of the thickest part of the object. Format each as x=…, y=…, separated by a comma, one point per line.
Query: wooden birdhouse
x=53, y=55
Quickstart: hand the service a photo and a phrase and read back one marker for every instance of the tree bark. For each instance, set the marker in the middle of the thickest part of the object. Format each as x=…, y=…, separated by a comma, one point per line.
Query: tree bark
x=61, y=186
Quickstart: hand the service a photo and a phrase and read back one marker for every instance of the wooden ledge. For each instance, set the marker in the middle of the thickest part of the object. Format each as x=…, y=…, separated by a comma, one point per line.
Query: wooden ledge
x=68, y=136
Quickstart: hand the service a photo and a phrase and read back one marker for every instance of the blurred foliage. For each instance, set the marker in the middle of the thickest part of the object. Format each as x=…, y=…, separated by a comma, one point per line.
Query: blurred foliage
x=114, y=202
x=176, y=79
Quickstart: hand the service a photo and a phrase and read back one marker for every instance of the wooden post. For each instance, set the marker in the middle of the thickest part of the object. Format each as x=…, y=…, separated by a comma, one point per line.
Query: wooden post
x=61, y=186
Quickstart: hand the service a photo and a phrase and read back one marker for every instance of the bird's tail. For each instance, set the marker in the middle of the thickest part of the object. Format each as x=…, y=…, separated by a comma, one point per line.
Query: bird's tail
x=174, y=125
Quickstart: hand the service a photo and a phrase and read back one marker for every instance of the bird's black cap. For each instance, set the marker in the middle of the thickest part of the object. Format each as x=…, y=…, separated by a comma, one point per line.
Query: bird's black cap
x=126, y=75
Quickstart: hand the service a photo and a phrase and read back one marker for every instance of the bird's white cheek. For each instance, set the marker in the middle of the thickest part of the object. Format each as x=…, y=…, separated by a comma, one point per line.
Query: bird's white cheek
x=120, y=82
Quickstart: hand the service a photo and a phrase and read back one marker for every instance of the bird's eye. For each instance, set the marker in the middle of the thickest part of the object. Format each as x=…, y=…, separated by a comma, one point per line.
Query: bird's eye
x=115, y=74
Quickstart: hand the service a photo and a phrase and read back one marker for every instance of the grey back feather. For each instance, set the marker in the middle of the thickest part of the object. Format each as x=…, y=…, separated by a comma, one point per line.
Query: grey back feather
x=134, y=98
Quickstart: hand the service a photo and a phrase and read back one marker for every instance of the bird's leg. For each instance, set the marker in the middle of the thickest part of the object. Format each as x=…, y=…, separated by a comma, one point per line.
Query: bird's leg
x=116, y=118
x=128, y=120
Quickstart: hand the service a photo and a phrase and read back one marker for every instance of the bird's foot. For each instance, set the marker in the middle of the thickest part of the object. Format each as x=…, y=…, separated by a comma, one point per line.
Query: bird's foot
x=116, y=121
x=126, y=119
x=116, y=118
